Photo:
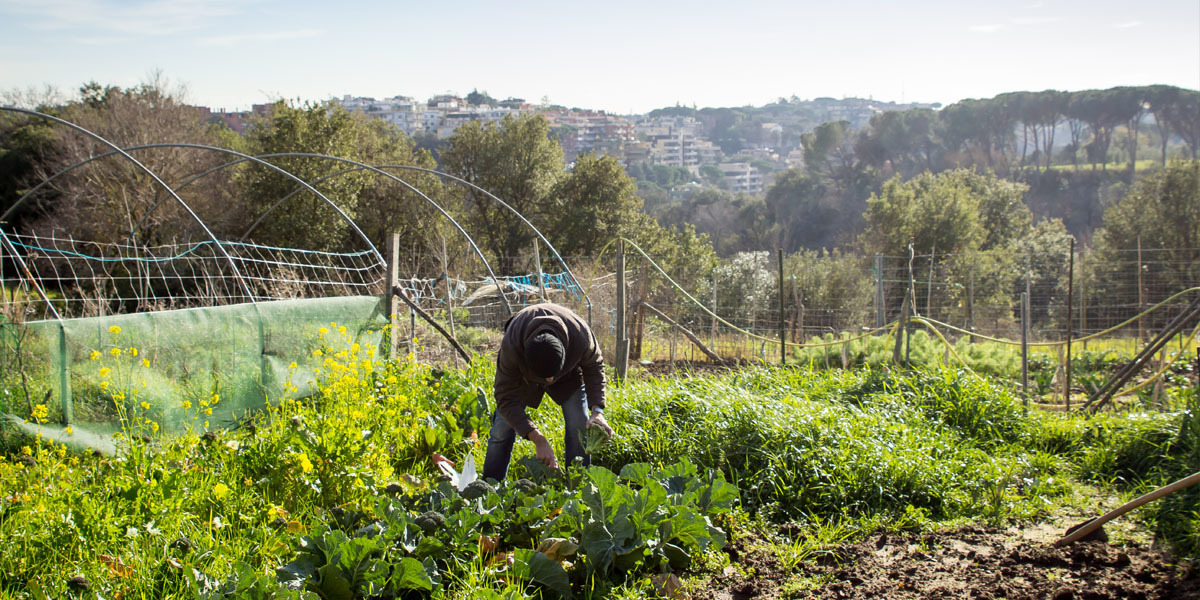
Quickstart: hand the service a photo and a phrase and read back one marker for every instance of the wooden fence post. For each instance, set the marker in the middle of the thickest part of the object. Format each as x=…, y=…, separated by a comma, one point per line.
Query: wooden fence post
x=901, y=329
x=971, y=303
x=622, y=353
x=879, y=308
x=639, y=315
x=391, y=279
x=537, y=263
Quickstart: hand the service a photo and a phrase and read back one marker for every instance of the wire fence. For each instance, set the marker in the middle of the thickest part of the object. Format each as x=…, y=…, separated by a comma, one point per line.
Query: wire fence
x=737, y=312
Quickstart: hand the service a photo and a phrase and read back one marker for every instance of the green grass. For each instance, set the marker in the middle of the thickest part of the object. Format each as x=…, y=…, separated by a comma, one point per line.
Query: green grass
x=835, y=453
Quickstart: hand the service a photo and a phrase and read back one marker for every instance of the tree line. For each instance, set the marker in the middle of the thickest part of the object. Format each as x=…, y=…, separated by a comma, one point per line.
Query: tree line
x=579, y=209
x=859, y=193
x=1017, y=136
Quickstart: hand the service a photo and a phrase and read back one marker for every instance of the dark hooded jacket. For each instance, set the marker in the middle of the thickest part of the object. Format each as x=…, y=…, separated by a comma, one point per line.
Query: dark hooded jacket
x=517, y=388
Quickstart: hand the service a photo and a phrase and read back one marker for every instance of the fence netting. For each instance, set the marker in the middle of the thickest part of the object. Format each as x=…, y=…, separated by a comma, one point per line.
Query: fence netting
x=195, y=335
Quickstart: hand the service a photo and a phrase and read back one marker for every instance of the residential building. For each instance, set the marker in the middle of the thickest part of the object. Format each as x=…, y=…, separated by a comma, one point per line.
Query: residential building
x=742, y=177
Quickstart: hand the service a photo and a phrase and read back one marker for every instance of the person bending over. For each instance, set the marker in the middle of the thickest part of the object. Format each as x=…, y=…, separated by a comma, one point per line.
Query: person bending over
x=546, y=349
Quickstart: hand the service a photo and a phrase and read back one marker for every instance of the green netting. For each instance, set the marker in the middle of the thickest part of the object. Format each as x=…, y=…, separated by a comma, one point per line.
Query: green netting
x=171, y=371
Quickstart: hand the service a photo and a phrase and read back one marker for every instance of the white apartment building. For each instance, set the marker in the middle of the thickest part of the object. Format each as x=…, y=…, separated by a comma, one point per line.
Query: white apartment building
x=442, y=115
x=742, y=177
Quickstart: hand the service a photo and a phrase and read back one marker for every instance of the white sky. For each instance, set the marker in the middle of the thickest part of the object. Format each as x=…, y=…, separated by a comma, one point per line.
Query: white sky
x=615, y=55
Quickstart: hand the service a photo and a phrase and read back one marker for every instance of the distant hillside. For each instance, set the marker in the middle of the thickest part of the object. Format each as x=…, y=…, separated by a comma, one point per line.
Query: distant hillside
x=734, y=129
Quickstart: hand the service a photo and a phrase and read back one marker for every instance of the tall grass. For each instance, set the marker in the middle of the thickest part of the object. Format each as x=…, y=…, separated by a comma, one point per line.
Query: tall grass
x=806, y=443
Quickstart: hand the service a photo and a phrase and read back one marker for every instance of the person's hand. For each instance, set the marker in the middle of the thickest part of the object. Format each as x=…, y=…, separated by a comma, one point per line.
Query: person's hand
x=542, y=449
x=597, y=420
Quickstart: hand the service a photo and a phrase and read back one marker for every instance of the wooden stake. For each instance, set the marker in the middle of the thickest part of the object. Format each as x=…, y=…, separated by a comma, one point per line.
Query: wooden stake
x=449, y=296
x=1095, y=524
x=688, y=334
x=537, y=263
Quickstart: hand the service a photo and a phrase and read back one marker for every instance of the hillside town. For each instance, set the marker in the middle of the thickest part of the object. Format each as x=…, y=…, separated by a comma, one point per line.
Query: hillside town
x=655, y=139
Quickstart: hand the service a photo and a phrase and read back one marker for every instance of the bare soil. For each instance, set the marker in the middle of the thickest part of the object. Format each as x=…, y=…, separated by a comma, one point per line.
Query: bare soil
x=970, y=562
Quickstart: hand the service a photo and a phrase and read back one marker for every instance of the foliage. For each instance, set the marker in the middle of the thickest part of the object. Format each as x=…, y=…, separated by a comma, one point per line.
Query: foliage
x=591, y=528
x=598, y=203
x=304, y=220
x=826, y=279
x=109, y=198
x=839, y=444
x=745, y=284
x=805, y=214
x=327, y=495
x=1161, y=212
x=519, y=163
x=957, y=211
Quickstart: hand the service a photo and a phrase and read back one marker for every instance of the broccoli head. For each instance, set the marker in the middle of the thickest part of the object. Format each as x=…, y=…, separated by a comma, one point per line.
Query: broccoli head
x=525, y=486
x=430, y=521
x=478, y=489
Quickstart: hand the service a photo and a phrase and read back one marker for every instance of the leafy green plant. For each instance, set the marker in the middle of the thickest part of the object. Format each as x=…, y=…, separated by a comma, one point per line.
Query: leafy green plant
x=600, y=527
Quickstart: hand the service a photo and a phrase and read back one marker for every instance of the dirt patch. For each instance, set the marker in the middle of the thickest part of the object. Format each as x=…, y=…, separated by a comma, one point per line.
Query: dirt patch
x=972, y=562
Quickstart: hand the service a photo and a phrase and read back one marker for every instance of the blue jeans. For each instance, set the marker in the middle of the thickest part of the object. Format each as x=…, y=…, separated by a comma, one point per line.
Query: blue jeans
x=502, y=436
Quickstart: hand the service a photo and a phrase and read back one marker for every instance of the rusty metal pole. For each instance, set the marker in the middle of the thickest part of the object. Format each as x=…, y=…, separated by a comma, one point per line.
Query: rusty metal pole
x=1070, y=300
x=1025, y=347
x=782, y=322
x=622, y=339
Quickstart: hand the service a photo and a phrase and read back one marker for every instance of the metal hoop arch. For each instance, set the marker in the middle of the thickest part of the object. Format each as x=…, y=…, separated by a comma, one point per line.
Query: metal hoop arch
x=363, y=166
x=232, y=265
x=360, y=166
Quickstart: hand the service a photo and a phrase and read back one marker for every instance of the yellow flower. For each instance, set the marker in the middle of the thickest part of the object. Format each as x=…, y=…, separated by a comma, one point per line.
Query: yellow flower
x=26, y=451
x=133, y=351
x=40, y=412
x=104, y=385
x=153, y=426
x=220, y=491
x=114, y=330
x=305, y=464
x=145, y=405
x=69, y=430
x=342, y=329
x=293, y=365
x=94, y=355
x=322, y=331
x=206, y=424
x=145, y=362
x=115, y=351
x=187, y=404
x=318, y=354
x=216, y=398
x=104, y=371
x=207, y=411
